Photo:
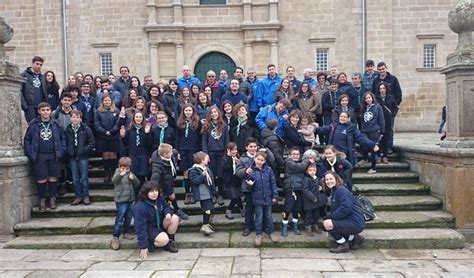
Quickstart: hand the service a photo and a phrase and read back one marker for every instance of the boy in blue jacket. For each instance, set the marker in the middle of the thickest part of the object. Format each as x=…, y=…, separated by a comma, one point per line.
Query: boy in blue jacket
x=44, y=145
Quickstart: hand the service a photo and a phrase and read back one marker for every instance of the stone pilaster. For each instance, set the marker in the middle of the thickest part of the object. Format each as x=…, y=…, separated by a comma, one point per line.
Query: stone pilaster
x=155, y=70
x=16, y=193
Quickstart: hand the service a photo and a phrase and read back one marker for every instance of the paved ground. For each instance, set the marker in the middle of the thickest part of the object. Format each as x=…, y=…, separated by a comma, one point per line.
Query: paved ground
x=233, y=262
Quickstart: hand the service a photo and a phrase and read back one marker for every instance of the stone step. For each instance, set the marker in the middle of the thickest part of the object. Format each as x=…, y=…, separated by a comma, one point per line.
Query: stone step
x=427, y=238
x=391, y=177
x=357, y=177
x=390, y=189
x=381, y=203
x=104, y=225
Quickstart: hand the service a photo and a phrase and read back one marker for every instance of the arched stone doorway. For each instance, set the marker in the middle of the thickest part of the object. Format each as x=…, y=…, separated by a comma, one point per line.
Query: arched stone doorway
x=215, y=61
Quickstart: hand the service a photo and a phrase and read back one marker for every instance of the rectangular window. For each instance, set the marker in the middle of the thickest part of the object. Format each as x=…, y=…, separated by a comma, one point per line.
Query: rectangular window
x=105, y=63
x=322, y=59
x=212, y=2
x=429, y=56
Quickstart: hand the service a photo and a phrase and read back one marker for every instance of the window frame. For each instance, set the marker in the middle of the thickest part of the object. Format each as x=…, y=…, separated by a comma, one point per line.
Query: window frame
x=103, y=63
x=429, y=56
x=318, y=58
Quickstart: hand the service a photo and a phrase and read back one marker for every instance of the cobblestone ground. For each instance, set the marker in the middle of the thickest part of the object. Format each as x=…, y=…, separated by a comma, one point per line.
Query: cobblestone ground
x=233, y=262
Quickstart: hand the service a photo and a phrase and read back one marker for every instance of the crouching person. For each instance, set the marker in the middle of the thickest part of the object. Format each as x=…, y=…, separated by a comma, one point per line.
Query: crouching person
x=155, y=223
x=345, y=221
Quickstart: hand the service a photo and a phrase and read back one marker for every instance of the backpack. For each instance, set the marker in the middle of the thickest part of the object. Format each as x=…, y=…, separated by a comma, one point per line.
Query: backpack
x=365, y=207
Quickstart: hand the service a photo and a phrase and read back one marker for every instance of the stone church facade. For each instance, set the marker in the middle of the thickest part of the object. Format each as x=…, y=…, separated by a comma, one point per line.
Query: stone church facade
x=157, y=37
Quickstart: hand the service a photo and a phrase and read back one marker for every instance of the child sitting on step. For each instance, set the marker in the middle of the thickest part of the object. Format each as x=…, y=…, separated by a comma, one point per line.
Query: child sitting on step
x=201, y=180
x=125, y=183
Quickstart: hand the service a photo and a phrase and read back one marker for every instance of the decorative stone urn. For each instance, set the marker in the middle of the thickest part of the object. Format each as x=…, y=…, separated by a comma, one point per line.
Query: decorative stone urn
x=6, y=34
x=461, y=21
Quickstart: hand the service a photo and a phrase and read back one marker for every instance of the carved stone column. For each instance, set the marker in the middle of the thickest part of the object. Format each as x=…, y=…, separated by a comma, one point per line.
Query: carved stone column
x=179, y=58
x=155, y=70
x=247, y=6
x=17, y=194
x=273, y=11
x=274, y=53
x=151, y=7
x=178, y=12
x=248, y=55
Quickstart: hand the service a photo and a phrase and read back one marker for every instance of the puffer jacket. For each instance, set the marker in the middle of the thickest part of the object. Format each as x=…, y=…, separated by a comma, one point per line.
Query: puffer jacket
x=294, y=173
x=124, y=188
x=264, y=189
x=202, y=190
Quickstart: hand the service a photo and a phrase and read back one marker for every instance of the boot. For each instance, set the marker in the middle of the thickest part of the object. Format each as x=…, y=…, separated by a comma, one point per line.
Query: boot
x=356, y=242
x=187, y=199
x=340, y=248
x=42, y=205
x=171, y=247
x=295, y=228
x=76, y=201
x=86, y=200
x=115, y=244
x=52, y=203
x=274, y=238
x=284, y=230
x=220, y=200
x=206, y=229
x=317, y=230
x=62, y=189
x=228, y=214
x=309, y=232
x=258, y=240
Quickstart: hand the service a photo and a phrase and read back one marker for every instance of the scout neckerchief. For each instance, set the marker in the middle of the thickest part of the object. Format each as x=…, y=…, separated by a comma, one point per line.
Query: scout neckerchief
x=173, y=168
x=162, y=133
x=358, y=93
x=332, y=163
x=137, y=140
x=215, y=133
x=75, y=129
x=204, y=168
x=240, y=122
x=157, y=212
x=186, y=128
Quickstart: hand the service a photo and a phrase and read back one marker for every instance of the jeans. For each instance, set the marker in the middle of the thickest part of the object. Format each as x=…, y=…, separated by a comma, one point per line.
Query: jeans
x=249, y=212
x=80, y=178
x=263, y=214
x=123, y=218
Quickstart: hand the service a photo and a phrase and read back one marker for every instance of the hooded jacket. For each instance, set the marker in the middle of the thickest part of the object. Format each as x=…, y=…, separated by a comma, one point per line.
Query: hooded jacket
x=27, y=89
x=32, y=137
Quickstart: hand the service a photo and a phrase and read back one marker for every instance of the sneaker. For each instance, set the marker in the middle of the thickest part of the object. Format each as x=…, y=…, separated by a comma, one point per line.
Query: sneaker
x=42, y=205
x=229, y=215
x=128, y=236
x=274, y=238
x=371, y=171
x=443, y=136
x=356, y=242
x=86, y=200
x=52, y=203
x=181, y=214
x=115, y=244
x=340, y=248
x=76, y=201
x=171, y=247
x=220, y=200
x=246, y=232
x=206, y=229
x=258, y=240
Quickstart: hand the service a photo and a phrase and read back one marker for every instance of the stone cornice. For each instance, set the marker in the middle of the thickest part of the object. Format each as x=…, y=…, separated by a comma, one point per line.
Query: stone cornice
x=211, y=28
x=430, y=36
x=322, y=40
x=163, y=27
x=104, y=45
x=261, y=26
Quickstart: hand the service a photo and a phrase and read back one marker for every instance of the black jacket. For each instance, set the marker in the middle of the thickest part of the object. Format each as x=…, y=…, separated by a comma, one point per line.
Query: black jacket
x=27, y=89
x=274, y=143
x=161, y=172
x=392, y=82
x=312, y=197
x=246, y=131
x=85, y=142
x=295, y=139
x=294, y=172
x=169, y=137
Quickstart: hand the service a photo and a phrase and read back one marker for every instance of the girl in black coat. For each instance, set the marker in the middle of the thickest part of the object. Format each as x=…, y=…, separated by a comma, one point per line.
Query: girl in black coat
x=241, y=127
x=343, y=106
x=313, y=200
x=137, y=139
x=232, y=183
x=214, y=140
x=107, y=135
x=390, y=110
x=52, y=89
x=189, y=142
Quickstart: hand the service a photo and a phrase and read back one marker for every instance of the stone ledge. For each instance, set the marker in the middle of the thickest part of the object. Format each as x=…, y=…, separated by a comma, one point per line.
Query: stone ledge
x=13, y=161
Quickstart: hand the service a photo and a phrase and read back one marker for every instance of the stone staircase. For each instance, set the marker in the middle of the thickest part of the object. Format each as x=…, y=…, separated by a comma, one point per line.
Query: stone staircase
x=408, y=217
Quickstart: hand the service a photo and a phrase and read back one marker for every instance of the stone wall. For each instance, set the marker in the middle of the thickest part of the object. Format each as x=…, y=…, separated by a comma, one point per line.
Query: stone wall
x=396, y=32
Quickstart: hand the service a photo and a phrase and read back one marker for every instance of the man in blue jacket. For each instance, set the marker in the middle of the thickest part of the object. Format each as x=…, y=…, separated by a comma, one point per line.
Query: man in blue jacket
x=253, y=81
x=266, y=87
x=308, y=77
x=34, y=89
x=275, y=111
x=186, y=80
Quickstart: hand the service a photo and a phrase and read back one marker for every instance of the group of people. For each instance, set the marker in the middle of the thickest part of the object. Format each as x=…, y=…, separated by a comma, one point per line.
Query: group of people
x=231, y=138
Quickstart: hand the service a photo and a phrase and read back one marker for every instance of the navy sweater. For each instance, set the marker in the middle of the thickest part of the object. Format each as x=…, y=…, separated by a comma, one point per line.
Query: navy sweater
x=130, y=141
x=373, y=119
x=210, y=143
x=145, y=220
x=191, y=143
